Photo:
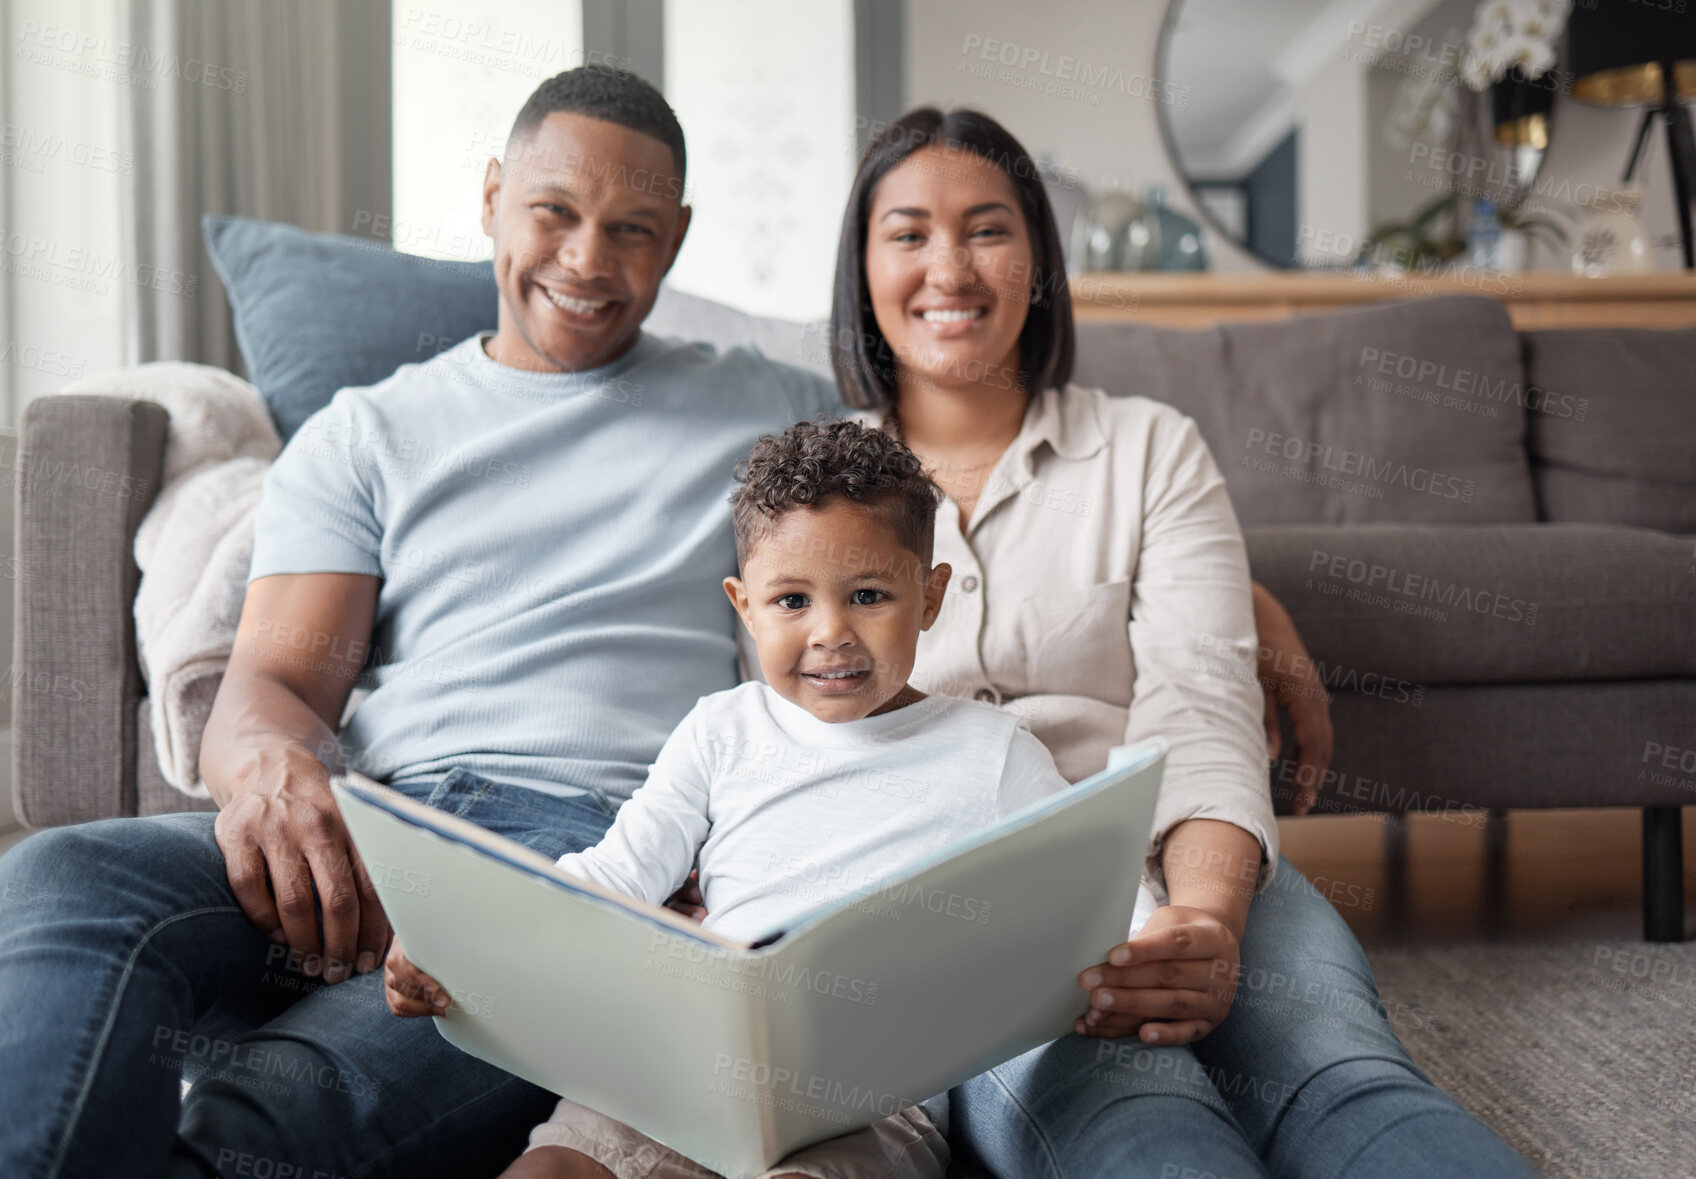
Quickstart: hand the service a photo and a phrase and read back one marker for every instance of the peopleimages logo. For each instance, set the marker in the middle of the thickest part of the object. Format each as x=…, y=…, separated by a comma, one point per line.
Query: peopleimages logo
x=406, y=455
x=1335, y=676
x=1063, y=68
x=65, y=473
x=787, y=975
x=49, y=145
x=776, y=1079
x=1432, y=375
x=1414, y=587
x=122, y=60
x=1480, y=172
x=81, y=268
x=1358, y=463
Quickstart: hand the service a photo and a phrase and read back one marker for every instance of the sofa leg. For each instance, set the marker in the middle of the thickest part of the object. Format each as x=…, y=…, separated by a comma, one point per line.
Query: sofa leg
x=1663, y=874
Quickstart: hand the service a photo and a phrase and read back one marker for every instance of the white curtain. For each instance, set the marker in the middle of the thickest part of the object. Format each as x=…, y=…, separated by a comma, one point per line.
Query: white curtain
x=271, y=110
x=63, y=278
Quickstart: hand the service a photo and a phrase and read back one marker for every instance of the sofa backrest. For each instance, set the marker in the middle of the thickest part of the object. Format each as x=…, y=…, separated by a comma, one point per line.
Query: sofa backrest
x=1407, y=412
x=1425, y=411
x=1417, y=411
x=1613, y=428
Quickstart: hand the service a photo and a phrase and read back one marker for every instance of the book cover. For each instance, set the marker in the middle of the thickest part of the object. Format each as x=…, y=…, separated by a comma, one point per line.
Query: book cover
x=736, y=1054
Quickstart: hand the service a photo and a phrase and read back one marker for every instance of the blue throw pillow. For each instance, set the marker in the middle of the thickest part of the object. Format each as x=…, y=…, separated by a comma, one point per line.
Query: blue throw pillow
x=317, y=312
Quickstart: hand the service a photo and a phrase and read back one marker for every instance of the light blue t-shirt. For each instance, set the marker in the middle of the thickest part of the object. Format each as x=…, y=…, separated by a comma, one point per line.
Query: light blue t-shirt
x=551, y=548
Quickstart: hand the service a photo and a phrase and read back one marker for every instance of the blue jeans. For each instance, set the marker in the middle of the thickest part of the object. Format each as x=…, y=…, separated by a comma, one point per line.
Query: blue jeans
x=1304, y=1078
x=126, y=964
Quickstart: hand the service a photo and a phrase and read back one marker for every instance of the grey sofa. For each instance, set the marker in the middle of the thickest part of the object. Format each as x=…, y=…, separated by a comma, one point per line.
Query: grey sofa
x=1486, y=538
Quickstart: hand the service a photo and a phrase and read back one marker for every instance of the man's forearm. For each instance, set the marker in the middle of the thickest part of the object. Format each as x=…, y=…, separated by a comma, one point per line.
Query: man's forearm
x=258, y=729
x=1213, y=866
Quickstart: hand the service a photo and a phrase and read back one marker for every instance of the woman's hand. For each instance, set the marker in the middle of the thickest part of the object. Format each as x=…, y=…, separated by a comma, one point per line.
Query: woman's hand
x=1291, y=682
x=1173, y=983
x=409, y=991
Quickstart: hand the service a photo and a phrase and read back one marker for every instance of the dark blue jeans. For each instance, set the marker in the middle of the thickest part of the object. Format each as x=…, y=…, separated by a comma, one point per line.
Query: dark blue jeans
x=126, y=965
x=1305, y=1078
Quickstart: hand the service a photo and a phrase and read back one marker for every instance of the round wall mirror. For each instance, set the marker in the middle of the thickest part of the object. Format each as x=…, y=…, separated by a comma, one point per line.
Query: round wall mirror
x=1314, y=137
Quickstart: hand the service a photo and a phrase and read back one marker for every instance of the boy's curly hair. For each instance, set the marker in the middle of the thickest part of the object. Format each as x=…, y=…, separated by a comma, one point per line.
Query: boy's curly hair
x=811, y=463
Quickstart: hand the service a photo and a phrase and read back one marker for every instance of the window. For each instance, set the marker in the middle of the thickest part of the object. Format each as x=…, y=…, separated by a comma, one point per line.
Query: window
x=765, y=92
x=461, y=71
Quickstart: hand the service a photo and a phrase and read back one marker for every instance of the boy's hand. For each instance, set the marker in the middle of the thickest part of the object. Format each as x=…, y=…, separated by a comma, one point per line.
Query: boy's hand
x=688, y=899
x=1173, y=982
x=409, y=990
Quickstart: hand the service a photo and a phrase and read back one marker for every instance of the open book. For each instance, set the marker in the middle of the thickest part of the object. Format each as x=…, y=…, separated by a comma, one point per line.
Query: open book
x=735, y=1054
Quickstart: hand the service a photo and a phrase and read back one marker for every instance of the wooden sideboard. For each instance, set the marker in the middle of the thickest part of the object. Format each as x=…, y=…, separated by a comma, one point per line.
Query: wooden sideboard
x=1544, y=300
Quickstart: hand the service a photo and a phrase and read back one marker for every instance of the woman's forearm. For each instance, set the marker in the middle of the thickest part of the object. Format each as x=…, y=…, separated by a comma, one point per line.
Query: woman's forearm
x=1213, y=866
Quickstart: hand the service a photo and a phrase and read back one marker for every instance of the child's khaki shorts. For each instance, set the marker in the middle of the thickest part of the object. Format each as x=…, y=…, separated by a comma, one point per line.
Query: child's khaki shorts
x=907, y=1145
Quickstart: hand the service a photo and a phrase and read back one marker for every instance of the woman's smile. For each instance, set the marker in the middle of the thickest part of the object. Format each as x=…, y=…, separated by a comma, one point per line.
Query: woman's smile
x=950, y=321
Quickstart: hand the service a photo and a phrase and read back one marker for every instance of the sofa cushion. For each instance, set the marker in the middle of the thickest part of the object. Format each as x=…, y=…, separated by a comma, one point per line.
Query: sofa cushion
x=317, y=312
x=1613, y=438
x=1410, y=411
x=1468, y=750
x=691, y=317
x=1385, y=606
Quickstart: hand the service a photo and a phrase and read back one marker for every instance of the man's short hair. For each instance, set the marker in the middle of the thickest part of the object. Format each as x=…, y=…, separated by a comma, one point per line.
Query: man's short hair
x=610, y=94
x=812, y=463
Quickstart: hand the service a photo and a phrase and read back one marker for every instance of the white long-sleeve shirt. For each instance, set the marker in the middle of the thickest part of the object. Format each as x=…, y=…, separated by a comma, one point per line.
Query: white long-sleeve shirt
x=787, y=811
x=1101, y=592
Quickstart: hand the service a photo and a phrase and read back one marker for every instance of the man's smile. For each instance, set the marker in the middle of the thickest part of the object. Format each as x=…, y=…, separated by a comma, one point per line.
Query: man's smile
x=581, y=310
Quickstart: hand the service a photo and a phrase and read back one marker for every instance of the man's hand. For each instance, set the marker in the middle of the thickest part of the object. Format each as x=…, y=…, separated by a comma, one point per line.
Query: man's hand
x=1173, y=982
x=264, y=756
x=409, y=991
x=1291, y=682
x=284, y=846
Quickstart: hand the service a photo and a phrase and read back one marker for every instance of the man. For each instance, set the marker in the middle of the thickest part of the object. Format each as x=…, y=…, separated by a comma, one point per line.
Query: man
x=532, y=527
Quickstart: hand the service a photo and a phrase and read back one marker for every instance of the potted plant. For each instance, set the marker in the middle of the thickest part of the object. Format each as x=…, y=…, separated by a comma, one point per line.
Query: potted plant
x=1511, y=52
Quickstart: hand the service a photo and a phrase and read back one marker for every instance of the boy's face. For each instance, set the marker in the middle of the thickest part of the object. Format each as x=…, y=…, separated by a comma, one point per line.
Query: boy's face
x=835, y=603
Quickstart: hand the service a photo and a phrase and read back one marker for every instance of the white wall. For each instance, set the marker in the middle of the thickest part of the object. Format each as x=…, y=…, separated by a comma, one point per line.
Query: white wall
x=1588, y=146
x=765, y=92
x=1106, y=131
x=1330, y=153
x=462, y=70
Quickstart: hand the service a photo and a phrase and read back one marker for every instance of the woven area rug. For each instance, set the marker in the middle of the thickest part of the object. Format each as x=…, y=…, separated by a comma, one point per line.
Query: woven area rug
x=1581, y=1055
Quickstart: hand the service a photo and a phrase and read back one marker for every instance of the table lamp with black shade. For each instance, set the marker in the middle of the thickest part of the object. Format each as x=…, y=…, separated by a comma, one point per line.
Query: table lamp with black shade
x=1520, y=107
x=1627, y=53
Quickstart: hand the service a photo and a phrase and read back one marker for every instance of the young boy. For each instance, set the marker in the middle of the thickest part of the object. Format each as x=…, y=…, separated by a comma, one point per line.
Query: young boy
x=830, y=774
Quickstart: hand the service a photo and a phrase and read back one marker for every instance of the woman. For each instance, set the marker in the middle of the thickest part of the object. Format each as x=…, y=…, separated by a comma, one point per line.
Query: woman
x=1101, y=590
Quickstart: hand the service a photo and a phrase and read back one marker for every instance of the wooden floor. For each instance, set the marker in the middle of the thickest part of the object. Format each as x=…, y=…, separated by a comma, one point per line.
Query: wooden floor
x=1535, y=875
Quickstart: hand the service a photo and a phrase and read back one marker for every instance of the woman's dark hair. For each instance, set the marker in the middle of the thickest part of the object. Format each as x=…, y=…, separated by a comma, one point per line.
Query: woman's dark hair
x=859, y=354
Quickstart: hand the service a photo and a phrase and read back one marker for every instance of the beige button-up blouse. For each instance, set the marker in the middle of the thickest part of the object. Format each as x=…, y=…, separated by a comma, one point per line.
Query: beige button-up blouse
x=1101, y=592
